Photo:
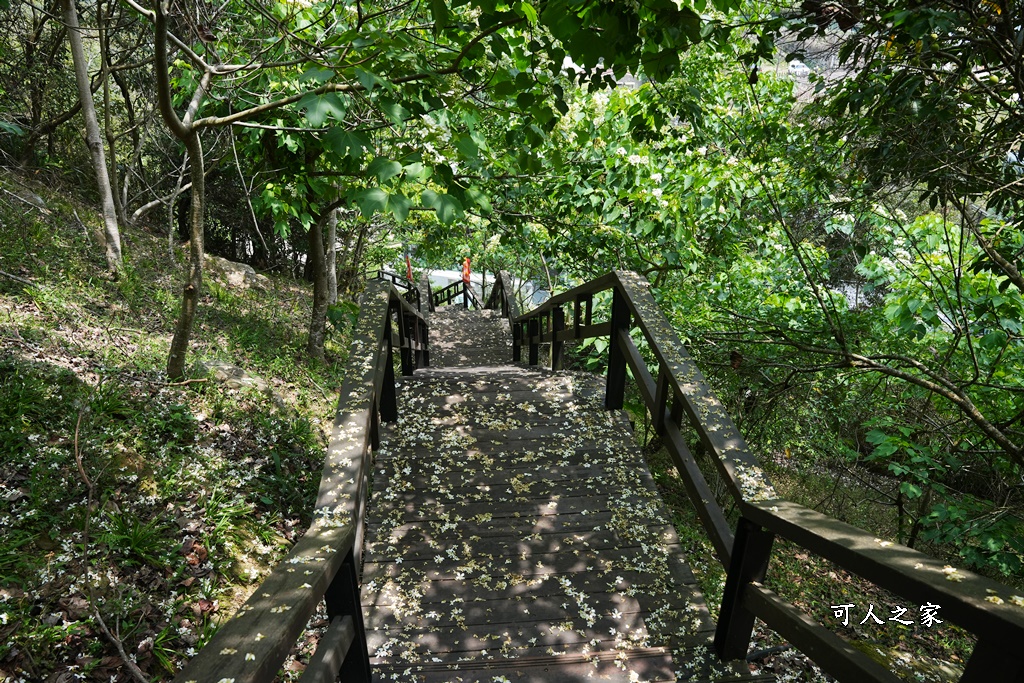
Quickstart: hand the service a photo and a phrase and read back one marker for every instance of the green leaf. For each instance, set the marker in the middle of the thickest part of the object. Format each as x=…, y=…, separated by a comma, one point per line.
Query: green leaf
x=342, y=143
x=439, y=11
x=467, y=147
x=316, y=74
x=384, y=169
x=993, y=340
x=367, y=79
x=911, y=490
x=447, y=207
x=399, y=205
x=417, y=172
x=372, y=200
x=394, y=111
x=321, y=107
x=475, y=195
x=17, y=131
x=375, y=200
x=528, y=11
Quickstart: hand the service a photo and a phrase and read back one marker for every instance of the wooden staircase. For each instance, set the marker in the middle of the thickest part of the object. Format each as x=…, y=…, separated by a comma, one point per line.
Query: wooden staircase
x=515, y=533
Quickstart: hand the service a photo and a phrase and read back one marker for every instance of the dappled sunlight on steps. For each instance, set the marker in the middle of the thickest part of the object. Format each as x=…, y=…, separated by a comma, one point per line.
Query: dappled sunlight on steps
x=516, y=534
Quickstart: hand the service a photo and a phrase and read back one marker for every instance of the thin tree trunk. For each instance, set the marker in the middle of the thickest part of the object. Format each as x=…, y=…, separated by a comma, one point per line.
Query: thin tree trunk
x=183, y=130
x=93, y=140
x=332, y=258
x=318, y=262
x=102, y=22
x=194, y=280
x=133, y=130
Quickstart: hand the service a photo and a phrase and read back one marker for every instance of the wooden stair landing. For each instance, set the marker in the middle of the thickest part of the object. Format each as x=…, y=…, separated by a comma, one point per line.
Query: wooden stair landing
x=515, y=534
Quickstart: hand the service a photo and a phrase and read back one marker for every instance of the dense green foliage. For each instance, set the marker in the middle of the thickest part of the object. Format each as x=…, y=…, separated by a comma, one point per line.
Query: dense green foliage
x=842, y=251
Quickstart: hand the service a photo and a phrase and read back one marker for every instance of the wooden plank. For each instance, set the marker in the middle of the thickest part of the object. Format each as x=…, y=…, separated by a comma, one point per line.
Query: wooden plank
x=703, y=499
x=978, y=604
x=496, y=526
x=653, y=665
x=524, y=490
x=429, y=548
x=739, y=468
x=277, y=612
x=829, y=651
x=603, y=633
x=539, y=564
x=635, y=583
x=498, y=612
x=525, y=559
x=334, y=644
x=420, y=508
x=460, y=479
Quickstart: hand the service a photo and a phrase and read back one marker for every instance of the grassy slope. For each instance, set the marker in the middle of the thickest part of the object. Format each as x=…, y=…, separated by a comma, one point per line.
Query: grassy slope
x=197, y=488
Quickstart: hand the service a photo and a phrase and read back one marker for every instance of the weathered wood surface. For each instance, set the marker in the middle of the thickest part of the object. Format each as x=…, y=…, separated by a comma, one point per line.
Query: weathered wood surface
x=490, y=344
x=516, y=532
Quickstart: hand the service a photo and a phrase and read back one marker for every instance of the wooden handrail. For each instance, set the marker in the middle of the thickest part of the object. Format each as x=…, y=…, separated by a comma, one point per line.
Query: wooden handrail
x=410, y=291
x=446, y=295
x=680, y=402
x=503, y=298
x=325, y=564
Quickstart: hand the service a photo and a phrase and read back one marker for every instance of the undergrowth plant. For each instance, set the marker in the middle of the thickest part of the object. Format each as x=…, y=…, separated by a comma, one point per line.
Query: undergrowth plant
x=198, y=487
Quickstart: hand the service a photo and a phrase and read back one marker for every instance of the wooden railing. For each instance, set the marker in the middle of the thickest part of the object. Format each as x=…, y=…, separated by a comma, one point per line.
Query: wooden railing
x=445, y=296
x=679, y=402
x=325, y=564
x=503, y=298
x=409, y=290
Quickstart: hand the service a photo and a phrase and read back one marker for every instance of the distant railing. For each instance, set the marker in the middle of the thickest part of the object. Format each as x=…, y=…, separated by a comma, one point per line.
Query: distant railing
x=444, y=297
x=325, y=564
x=503, y=298
x=409, y=290
x=680, y=399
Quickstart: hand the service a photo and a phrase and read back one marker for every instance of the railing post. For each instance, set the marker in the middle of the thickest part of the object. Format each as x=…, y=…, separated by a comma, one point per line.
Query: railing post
x=750, y=553
x=660, y=406
x=342, y=599
x=533, y=334
x=388, y=398
x=517, y=342
x=615, y=389
x=557, y=345
x=424, y=338
x=404, y=341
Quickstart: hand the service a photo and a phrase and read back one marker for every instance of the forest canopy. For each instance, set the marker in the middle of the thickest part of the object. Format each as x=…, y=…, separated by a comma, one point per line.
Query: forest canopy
x=825, y=196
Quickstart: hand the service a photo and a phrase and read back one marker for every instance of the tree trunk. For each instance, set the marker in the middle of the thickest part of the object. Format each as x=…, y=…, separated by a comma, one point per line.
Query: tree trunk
x=93, y=140
x=332, y=258
x=194, y=279
x=103, y=22
x=318, y=263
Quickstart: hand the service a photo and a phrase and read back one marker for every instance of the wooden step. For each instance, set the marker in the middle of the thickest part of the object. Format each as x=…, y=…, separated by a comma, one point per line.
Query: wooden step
x=515, y=534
